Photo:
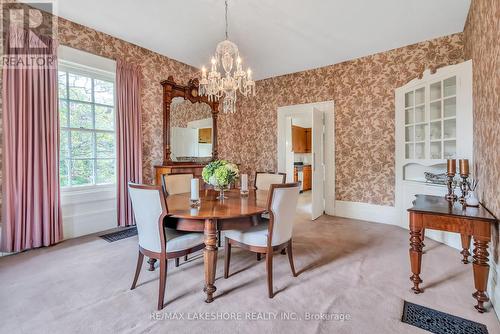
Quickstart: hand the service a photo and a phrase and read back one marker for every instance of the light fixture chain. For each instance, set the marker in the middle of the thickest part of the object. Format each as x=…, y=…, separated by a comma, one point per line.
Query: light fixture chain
x=227, y=34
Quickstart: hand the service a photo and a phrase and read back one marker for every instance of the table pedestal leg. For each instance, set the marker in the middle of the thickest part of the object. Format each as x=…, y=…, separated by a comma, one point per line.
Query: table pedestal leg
x=481, y=270
x=415, y=257
x=210, y=258
x=151, y=262
x=465, y=248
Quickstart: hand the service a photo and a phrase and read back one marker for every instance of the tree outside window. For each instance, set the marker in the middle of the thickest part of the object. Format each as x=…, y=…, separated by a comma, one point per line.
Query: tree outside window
x=87, y=129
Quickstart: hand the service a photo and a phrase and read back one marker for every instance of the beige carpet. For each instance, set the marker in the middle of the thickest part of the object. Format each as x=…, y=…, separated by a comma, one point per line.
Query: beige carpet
x=346, y=266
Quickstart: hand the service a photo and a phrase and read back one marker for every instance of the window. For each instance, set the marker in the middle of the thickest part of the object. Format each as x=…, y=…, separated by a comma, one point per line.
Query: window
x=87, y=127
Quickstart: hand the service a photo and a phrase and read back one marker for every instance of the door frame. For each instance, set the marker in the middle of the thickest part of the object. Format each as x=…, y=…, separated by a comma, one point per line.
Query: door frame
x=328, y=107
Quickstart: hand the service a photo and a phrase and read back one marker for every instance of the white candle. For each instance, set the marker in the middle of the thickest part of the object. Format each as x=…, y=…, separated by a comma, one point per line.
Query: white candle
x=195, y=189
x=244, y=182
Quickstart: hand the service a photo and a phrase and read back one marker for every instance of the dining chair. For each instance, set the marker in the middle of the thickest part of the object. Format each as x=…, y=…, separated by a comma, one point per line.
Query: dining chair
x=267, y=238
x=155, y=240
x=176, y=183
x=263, y=180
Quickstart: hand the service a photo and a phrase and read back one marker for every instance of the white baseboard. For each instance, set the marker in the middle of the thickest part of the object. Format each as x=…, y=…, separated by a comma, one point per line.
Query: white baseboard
x=493, y=285
x=365, y=211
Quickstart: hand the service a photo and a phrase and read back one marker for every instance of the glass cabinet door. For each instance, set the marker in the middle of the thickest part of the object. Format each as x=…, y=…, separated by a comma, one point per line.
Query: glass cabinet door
x=443, y=114
x=415, y=124
x=430, y=124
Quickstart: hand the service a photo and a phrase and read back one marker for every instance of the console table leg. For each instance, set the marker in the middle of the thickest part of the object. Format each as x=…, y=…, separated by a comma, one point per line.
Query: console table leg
x=210, y=258
x=422, y=237
x=481, y=270
x=465, y=247
x=416, y=250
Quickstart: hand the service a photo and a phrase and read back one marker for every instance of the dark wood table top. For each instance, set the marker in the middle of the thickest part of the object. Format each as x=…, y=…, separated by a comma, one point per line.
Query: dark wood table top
x=234, y=206
x=441, y=206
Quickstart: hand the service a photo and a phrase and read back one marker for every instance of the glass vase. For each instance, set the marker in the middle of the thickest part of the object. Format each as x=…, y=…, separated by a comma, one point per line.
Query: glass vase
x=221, y=190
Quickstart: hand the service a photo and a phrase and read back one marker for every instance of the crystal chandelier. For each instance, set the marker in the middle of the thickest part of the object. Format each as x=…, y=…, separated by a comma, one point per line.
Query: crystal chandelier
x=227, y=84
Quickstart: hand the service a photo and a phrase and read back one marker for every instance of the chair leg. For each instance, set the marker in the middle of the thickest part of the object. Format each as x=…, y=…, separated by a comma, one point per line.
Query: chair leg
x=140, y=260
x=176, y=261
x=163, y=281
x=227, y=257
x=219, y=241
x=290, y=258
x=269, y=269
x=259, y=256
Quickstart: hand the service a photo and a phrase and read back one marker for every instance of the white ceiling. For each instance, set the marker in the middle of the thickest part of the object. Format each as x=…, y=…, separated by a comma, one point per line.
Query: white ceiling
x=274, y=36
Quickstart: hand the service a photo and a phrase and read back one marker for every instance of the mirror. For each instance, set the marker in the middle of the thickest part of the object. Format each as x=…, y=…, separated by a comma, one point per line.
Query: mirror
x=189, y=125
x=191, y=131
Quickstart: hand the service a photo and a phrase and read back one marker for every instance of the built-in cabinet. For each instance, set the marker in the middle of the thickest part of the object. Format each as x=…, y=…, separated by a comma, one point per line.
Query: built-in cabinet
x=205, y=136
x=307, y=181
x=306, y=176
x=433, y=123
x=301, y=139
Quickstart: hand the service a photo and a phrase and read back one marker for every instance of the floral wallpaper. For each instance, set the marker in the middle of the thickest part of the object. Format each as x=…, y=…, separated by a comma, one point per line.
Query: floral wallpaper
x=181, y=113
x=481, y=36
x=363, y=91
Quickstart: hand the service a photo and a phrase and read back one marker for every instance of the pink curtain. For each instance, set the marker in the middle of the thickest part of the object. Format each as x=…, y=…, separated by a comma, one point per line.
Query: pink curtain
x=31, y=210
x=128, y=136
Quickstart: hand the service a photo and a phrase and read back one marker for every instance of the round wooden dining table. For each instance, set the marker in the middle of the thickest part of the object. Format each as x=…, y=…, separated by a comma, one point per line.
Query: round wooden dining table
x=213, y=215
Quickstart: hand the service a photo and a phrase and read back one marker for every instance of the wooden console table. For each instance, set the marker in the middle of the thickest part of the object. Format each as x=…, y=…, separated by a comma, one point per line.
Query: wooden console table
x=434, y=212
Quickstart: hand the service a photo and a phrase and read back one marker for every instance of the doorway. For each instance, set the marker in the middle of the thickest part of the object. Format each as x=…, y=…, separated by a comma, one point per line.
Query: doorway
x=306, y=153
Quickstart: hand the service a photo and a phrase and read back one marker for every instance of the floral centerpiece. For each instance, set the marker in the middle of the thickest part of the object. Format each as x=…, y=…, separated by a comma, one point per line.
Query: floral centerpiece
x=220, y=174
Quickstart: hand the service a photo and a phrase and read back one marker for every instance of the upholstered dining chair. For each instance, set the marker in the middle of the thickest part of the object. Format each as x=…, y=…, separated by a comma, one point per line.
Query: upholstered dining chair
x=263, y=180
x=267, y=238
x=155, y=240
x=176, y=183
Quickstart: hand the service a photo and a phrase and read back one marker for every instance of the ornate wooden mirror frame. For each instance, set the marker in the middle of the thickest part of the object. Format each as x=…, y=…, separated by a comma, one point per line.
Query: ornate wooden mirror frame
x=189, y=92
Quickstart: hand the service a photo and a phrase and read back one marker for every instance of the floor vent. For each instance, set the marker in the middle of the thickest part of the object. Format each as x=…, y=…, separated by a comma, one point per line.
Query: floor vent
x=439, y=322
x=119, y=235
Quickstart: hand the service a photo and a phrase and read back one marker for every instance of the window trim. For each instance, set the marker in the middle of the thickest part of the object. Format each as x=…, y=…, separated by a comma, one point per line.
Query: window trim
x=94, y=73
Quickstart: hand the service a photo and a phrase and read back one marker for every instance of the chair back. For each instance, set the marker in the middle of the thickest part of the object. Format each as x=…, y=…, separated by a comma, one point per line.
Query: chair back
x=264, y=180
x=149, y=207
x=176, y=183
x=282, y=206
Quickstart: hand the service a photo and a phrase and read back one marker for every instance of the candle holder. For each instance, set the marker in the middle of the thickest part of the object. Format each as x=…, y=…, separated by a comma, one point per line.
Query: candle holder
x=451, y=187
x=464, y=187
x=194, y=203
